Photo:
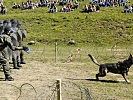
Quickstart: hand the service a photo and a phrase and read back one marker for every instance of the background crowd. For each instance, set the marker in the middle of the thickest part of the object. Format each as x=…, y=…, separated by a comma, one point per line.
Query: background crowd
x=68, y=5
x=91, y=8
x=3, y=8
x=105, y=3
x=95, y=5
x=128, y=8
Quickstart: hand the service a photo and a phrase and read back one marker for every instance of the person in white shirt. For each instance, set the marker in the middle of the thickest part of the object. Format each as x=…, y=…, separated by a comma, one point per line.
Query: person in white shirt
x=1, y=2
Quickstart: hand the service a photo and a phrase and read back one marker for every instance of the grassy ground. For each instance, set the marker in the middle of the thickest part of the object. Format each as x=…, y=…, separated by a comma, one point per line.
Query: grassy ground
x=106, y=27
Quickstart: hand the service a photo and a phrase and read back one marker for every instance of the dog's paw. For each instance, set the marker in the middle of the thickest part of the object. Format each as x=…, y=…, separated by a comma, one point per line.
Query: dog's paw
x=128, y=82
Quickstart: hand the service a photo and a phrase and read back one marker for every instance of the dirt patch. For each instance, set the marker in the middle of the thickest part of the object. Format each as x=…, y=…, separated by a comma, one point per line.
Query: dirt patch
x=38, y=76
x=35, y=79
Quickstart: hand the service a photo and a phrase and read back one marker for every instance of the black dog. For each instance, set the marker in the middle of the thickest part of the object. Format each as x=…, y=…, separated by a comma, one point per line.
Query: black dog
x=117, y=68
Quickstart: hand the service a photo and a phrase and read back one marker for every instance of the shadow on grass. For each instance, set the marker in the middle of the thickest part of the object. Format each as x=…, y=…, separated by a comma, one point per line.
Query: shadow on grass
x=106, y=81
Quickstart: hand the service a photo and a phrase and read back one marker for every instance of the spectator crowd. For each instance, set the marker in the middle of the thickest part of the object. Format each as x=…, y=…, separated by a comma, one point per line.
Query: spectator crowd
x=67, y=5
x=96, y=4
x=91, y=8
x=128, y=8
x=26, y=5
x=3, y=9
x=105, y=3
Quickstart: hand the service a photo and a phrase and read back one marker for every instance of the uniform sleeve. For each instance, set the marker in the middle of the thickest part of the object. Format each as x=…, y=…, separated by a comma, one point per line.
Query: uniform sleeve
x=10, y=44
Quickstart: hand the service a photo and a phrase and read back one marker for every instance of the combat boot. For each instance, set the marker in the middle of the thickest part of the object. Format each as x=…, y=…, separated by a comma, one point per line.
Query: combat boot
x=18, y=64
x=23, y=62
x=6, y=70
x=15, y=66
x=9, y=78
x=22, y=58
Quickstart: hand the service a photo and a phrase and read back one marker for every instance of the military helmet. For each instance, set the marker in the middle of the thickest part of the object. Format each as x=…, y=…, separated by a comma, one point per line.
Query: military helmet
x=13, y=21
x=6, y=21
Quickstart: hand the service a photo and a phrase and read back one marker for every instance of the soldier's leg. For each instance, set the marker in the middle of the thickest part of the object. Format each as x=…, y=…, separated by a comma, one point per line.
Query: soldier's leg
x=18, y=59
x=6, y=69
x=14, y=60
x=22, y=57
x=18, y=62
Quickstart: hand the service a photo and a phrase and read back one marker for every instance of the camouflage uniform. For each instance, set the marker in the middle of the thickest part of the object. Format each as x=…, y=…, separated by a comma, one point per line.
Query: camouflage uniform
x=15, y=57
x=21, y=35
x=7, y=23
x=5, y=41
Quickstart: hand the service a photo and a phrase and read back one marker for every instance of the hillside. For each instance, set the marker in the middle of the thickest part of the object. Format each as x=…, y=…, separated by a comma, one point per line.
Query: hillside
x=101, y=34
x=106, y=27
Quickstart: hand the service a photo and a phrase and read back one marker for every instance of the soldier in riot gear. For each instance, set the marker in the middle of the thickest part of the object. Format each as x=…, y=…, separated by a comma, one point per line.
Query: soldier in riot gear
x=5, y=41
x=15, y=54
x=21, y=35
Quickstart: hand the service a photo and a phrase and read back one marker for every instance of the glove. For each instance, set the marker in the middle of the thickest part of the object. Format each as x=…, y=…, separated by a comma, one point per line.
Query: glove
x=26, y=49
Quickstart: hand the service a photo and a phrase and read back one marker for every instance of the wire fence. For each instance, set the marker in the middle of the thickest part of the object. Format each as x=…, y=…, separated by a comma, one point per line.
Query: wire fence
x=67, y=53
x=70, y=91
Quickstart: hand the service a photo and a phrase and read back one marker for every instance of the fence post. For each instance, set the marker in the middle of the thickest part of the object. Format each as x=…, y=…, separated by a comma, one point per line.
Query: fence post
x=58, y=86
x=55, y=52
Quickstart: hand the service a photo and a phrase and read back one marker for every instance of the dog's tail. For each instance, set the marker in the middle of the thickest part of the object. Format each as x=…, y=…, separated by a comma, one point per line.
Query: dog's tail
x=93, y=59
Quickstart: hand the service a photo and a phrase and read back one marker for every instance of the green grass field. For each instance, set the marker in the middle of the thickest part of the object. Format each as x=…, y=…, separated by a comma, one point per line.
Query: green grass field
x=106, y=34
x=106, y=27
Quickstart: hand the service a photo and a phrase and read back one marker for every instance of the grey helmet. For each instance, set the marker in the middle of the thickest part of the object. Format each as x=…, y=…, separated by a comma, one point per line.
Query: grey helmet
x=13, y=22
x=6, y=23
